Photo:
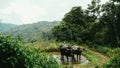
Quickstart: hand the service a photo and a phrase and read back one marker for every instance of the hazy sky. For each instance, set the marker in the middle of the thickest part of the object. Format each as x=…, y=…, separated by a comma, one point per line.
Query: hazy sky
x=30, y=11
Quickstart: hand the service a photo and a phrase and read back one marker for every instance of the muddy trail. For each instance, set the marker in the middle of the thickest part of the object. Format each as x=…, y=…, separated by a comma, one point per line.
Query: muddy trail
x=103, y=57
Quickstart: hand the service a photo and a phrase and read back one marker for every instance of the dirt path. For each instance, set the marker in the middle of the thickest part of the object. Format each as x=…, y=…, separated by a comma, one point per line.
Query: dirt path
x=103, y=57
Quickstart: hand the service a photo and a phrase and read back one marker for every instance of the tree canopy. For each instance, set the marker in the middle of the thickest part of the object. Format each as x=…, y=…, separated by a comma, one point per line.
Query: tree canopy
x=98, y=24
x=72, y=26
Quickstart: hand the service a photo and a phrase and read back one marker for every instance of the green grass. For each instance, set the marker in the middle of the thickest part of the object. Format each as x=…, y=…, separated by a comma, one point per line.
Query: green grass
x=46, y=46
x=99, y=48
x=93, y=59
x=52, y=46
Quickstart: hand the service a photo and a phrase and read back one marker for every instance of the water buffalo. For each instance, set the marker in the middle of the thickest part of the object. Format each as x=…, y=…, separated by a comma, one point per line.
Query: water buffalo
x=77, y=51
x=66, y=50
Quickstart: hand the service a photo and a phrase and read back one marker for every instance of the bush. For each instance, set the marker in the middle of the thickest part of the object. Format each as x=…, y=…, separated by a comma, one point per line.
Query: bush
x=10, y=54
x=99, y=48
x=14, y=55
x=114, y=52
x=113, y=63
x=103, y=49
x=34, y=59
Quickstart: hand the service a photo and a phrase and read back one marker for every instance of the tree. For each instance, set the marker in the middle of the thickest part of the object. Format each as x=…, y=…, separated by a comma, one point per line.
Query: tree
x=94, y=27
x=111, y=17
x=75, y=16
x=72, y=26
x=93, y=11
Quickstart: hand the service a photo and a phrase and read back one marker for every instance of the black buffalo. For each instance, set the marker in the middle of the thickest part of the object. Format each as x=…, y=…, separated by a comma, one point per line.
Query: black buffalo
x=77, y=51
x=66, y=51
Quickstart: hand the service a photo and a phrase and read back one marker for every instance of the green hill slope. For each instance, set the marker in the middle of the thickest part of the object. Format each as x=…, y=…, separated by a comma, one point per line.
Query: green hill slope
x=33, y=32
x=5, y=26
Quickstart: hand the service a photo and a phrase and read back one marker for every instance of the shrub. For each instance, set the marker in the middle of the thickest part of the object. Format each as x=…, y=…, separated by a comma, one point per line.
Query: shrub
x=103, y=49
x=100, y=48
x=10, y=54
x=114, y=52
x=113, y=63
x=34, y=59
x=14, y=55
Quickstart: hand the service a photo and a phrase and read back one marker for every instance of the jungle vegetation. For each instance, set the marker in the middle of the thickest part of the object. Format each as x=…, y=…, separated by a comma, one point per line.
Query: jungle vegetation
x=97, y=27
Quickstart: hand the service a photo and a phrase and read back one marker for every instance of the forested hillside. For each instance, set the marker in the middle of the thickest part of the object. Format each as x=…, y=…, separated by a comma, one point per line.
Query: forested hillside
x=5, y=26
x=33, y=32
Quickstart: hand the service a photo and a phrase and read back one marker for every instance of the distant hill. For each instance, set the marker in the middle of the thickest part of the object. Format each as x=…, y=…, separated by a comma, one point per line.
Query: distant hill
x=33, y=32
x=5, y=26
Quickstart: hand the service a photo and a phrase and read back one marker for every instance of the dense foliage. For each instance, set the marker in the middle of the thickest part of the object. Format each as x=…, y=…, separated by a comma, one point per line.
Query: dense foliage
x=114, y=62
x=10, y=53
x=72, y=26
x=98, y=24
x=14, y=55
x=80, y=25
x=33, y=32
x=110, y=17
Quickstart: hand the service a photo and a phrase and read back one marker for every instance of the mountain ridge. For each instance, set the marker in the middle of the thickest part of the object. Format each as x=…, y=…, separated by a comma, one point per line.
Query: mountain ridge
x=33, y=32
x=6, y=26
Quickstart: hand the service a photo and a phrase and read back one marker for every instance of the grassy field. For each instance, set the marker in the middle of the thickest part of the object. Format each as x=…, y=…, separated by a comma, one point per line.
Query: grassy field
x=96, y=59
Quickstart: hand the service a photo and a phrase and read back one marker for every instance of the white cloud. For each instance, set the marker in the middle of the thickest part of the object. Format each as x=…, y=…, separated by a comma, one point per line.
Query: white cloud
x=24, y=11
x=29, y=11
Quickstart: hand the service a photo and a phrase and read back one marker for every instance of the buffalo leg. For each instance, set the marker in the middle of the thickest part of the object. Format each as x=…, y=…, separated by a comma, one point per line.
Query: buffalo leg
x=67, y=58
x=73, y=58
x=77, y=58
x=62, y=58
